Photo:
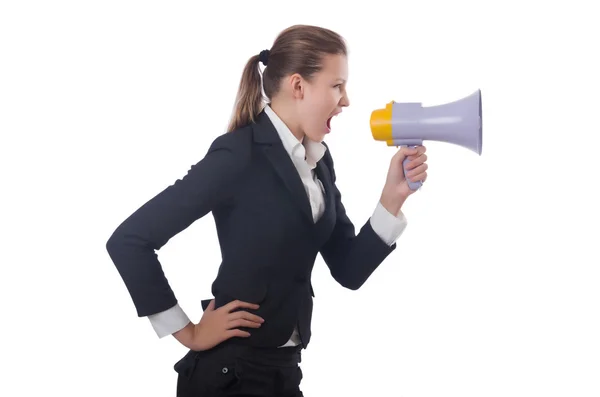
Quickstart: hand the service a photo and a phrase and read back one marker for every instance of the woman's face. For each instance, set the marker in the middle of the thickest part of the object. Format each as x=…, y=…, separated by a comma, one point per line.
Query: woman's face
x=323, y=97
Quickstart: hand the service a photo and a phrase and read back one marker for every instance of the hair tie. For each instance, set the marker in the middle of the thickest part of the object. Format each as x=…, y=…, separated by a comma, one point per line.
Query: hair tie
x=264, y=57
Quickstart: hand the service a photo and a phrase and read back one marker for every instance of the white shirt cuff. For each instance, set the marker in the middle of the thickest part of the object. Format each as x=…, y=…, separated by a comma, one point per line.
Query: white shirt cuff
x=169, y=321
x=387, y=226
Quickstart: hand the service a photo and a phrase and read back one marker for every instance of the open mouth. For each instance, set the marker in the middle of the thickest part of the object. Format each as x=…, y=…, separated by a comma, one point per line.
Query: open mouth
x=329, y=120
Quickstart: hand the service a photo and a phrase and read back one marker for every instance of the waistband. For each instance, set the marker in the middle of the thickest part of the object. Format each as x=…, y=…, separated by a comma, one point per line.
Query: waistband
x=275, y=356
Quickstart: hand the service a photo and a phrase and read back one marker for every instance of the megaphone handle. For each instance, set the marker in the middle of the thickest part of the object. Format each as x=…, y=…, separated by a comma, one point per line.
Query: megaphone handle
x=411, y=185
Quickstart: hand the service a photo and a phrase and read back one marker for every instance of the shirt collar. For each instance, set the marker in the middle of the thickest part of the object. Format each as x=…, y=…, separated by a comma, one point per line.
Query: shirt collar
x=306, y=149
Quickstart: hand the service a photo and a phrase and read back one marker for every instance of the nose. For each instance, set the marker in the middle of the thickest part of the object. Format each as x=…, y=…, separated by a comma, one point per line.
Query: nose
x=345, y=101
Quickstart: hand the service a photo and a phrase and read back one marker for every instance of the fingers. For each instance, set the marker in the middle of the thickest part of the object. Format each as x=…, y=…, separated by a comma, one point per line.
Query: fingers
x=241, y=322
x=418, y=159
x=415, y=161
x=417, y=171
x=236, y=332
x=405, y=152
x=411, y=153
x=418, y=177
x=237, y=304
x=416, y=167
x=421, y=177
x=244, y=319
x=246, y=316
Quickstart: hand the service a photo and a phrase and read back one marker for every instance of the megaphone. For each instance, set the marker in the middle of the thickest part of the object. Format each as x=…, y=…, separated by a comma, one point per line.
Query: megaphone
x=409, y=124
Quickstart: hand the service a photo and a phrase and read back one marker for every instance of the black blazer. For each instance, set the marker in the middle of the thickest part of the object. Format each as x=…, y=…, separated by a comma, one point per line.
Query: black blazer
x=266, y=233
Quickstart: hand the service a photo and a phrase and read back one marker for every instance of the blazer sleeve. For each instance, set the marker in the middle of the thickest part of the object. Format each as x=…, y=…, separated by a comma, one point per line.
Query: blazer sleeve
x=132, y=245
x=351, y=257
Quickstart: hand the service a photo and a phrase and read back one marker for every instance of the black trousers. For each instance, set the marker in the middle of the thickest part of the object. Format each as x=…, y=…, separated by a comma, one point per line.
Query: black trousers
x=231, y=369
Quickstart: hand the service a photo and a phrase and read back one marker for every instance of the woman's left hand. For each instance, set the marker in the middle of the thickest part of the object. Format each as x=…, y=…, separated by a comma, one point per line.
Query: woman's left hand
x=396, y=189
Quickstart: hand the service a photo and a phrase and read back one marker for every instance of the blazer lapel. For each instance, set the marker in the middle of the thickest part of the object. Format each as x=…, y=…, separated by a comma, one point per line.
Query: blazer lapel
x=326, y=223
x=289, y=175
x=265, y=133
x=324, y=176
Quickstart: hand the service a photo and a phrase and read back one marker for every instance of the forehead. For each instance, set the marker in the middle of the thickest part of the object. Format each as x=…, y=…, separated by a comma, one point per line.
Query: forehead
x=335, y=67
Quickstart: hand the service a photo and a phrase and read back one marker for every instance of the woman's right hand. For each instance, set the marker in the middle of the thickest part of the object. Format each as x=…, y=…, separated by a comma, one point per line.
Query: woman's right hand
x=218, y=325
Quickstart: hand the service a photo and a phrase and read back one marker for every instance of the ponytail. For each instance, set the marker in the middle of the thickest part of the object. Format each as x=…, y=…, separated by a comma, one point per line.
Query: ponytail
x=249, y=100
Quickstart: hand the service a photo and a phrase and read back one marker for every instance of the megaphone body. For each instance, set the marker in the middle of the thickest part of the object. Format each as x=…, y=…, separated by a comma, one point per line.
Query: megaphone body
x=409, y=124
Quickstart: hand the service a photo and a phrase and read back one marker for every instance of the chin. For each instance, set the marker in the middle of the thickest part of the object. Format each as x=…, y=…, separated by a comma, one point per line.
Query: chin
x=317, y=137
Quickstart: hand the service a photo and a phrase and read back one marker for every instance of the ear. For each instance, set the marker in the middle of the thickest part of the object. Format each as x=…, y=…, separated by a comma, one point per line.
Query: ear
x=297, y=85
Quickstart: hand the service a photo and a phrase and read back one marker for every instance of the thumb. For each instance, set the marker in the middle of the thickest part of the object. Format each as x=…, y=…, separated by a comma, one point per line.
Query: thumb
x=211, y=306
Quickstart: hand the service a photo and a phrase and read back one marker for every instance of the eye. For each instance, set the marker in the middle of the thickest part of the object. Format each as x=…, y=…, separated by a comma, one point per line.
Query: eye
x=337, y=86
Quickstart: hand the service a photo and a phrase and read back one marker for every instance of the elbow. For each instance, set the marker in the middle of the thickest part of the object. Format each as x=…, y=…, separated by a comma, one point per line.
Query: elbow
x=353, y=285
x=110, y=244
x=113, y=242
x=347, y=280
x=116, y=244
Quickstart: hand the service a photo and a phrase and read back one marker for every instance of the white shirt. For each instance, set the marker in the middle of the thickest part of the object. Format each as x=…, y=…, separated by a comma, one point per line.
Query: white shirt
x=304, y=154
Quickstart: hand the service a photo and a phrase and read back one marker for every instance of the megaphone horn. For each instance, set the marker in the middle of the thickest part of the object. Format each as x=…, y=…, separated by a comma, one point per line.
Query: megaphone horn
x=409, y=124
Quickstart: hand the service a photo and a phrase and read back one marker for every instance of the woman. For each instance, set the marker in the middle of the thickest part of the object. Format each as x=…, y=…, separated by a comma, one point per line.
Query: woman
x=270, y=185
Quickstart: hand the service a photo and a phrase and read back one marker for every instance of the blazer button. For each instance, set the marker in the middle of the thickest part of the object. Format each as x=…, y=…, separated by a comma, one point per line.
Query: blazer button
x=225, y=370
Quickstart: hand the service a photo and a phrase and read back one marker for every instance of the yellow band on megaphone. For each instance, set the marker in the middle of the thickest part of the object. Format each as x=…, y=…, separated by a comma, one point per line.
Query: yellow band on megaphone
x=381, y=123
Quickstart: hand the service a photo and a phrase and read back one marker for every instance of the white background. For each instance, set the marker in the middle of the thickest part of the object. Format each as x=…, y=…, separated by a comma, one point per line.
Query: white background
x=493, y=290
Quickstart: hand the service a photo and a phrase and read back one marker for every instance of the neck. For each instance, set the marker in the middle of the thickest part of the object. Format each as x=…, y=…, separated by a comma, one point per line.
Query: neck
x=287, y=115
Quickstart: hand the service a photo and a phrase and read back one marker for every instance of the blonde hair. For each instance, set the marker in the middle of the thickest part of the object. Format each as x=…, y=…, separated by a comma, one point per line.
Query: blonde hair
x=297, y=49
